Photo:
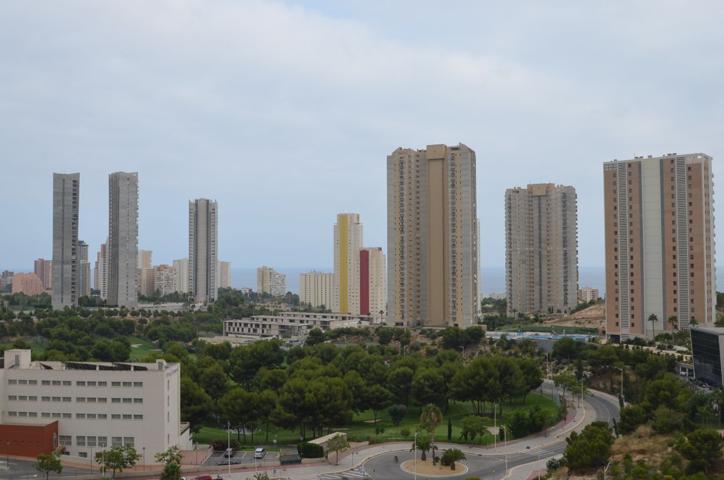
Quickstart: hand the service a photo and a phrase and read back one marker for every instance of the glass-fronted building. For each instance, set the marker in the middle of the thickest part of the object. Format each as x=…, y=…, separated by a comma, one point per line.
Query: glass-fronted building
x=707, y=344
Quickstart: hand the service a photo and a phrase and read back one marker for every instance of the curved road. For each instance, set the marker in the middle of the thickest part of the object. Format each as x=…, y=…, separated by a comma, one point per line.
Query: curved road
x=491, y=466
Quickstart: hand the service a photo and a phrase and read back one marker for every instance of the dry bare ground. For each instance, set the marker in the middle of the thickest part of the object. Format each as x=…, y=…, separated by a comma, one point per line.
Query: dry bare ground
x=591, y=317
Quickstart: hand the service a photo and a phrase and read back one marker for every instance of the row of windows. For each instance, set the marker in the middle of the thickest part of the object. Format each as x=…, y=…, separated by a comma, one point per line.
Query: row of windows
x=78, y=416
x=34, y=398
x=68, y=383
x=95, y=441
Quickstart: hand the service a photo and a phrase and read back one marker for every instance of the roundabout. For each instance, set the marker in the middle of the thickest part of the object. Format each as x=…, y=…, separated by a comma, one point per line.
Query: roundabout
x=427, y=469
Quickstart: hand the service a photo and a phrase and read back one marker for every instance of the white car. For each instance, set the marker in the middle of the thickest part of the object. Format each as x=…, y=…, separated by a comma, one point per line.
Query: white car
x=260, y=453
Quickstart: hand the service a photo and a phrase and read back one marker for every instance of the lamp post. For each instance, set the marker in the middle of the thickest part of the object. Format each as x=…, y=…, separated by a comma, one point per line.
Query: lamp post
x=505, y=454
x=228, y=445
x=414, y=457
x=495, y=424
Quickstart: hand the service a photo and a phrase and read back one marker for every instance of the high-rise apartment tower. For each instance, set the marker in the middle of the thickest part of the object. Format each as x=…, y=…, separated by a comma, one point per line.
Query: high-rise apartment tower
x=659, y=219
x=66, y=258
x=347, y=243
x=541, y=249
x=123, y=239
x=203, y=249
x=432, y=237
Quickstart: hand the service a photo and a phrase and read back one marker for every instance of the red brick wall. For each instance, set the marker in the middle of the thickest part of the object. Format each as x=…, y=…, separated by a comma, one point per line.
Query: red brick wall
x=28, y=440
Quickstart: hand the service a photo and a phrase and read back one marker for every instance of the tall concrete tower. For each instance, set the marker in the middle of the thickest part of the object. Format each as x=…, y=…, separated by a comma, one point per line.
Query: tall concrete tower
x=203, y=249
x=66, y=257
x=122, y=239
x=541, y=249
x=432, y=237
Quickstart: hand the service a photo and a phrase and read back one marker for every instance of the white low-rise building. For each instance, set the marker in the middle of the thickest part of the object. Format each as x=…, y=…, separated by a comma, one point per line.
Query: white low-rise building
x=97, y=405
x=292, y=324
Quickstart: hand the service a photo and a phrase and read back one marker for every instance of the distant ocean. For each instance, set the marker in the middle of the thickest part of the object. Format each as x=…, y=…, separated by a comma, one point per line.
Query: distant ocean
x=492, y=278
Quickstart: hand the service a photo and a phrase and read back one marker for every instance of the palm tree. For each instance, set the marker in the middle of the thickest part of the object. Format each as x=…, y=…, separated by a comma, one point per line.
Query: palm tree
x=451, y=456
x=653, y=319
x=430, y=418
x=423, y=444
x=674, y=322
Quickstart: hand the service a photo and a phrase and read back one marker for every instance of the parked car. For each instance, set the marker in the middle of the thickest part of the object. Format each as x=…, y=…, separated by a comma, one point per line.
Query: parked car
x=260, y=453
x=229, y=452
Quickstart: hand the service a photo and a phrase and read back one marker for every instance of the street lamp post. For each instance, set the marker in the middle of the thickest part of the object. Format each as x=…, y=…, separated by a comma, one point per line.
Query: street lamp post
x=414, y=457
x=505, y=454
x=228, y=445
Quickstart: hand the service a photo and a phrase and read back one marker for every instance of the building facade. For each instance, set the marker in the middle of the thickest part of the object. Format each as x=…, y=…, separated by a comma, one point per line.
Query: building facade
x=588, y=294
x=707, y=348
x=224, y=269
x=181, y=275
x=347, y=243
x=270, y=281
x=100, y=273
x=203, y=249
x=541, y=249
x=432, y=237
x=164, y=280
x=373, y=288
x=85, y=270
x=66, y=260
x=316, y=289
x=291, y=324
x=660, y=258
x=44, y=270
x=27, y=283
x=96, y=405
x=123, y=239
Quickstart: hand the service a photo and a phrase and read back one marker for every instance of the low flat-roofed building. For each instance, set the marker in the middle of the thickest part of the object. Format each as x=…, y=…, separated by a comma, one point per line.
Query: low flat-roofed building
x=97, y=405
x=292, y=324
x=707, y=346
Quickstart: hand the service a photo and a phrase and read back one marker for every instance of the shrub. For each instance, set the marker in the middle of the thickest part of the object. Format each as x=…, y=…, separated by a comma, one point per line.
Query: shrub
x=310, y=450
x=405, y=432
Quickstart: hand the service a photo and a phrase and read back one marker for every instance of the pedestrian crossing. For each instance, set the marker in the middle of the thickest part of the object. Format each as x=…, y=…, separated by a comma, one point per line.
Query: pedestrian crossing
x=357, y=473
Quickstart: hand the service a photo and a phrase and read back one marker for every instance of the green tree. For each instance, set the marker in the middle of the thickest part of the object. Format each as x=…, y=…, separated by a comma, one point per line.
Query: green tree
x=171, y=460
x=47, y=463
x=397, y=413
x=423, y=443
x=214, y=380
x=378, y=398
x=589, y=449
x=451, y=456
x=473, y=426
x=702, y=448
x=196, y=404
x=430, y=418
x=337, y=443
x=631, y=417
x=428, y=386
x=241, y=409
x=117, y=459
x=315, y=337
x=399, y=381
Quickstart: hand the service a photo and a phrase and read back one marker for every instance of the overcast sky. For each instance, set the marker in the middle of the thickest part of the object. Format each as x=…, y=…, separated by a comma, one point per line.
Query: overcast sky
x=284, y=112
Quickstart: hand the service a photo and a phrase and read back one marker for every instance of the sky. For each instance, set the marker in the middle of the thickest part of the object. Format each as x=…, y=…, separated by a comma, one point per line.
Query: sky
x=284, y=112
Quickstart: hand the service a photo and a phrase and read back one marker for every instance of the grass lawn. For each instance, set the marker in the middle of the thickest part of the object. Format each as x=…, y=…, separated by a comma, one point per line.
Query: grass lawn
x=141, y=348
x=362, y=427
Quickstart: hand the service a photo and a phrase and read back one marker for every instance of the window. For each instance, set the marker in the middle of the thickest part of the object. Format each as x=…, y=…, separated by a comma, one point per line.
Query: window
x=67, y=399
x=102, y=441
x=80, y=416
x=127, y=384
x=13, y=414
x=137, y=384
x=45, y=414
x=23, y=414
x=65, y=440
x=80, y=440
x=115, y=400
x=80, y=383
x=45, y=382
x=127, y=416
x=32, y=382
x=56, y=415
x=67, y=415
x=56, y=382
x=138, y=417
x=116, y=441
x=67, y=383
x=102, y=384
x=12, y=381
x=33, y=398
x=115, y=416
x=56, y=399
x=101, y=399
x=115, y=384
x=80, y=399
x=91, y=441
x=128, y=441
x=90, y=416
x=12, y=397
x=91, y=384
x=33, y=414
x=83, y=454
x=22, y=382
x=91, y=399
x=137, y=400
x=127, y=400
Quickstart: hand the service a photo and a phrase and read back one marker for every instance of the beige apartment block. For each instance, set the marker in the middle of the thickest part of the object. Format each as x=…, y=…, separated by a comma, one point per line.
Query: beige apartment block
x=224, y=272
x=432, y=237
x=316, y=289
x=123, y=239
x=347, y=243
x=270, y=281
x=181, y=275
x=100, y=272
x=588, y=294
x=44, y=270
x=541, y=249
x=27, y=283
x=164, y=279
x=660, y=251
